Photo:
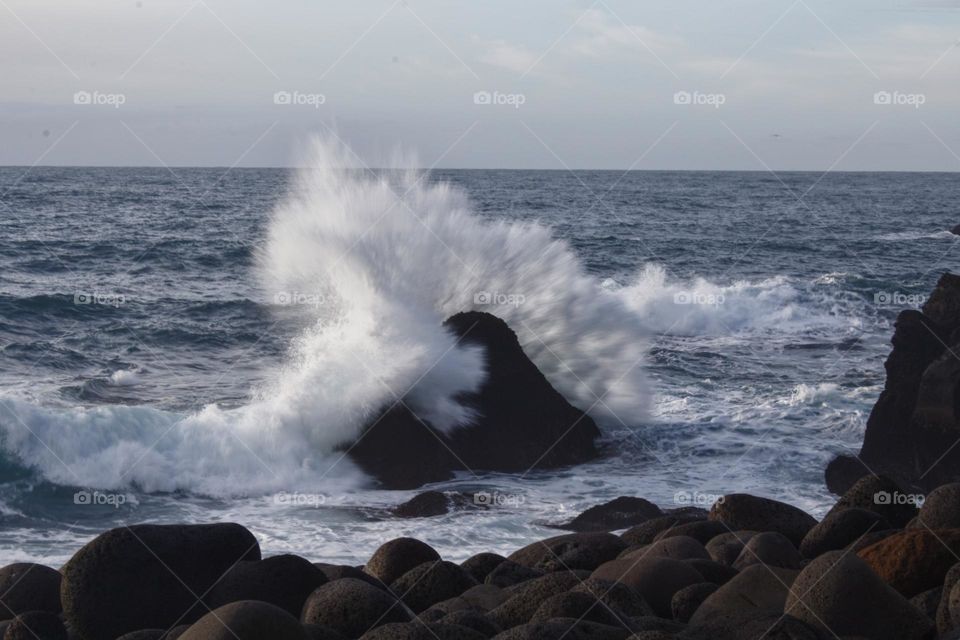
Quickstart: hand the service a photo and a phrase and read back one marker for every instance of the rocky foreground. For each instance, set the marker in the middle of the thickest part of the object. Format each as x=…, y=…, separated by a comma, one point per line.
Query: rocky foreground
x=875, y=567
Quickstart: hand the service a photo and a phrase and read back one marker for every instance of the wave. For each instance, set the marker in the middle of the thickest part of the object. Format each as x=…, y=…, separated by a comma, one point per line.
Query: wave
x=917, y=235
x=374, y=262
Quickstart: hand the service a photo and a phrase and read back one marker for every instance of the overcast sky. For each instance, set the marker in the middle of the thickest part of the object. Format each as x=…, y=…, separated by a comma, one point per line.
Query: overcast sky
x=671, y=84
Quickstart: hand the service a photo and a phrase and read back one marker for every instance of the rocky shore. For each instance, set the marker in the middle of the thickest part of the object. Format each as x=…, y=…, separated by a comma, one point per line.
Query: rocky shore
x=875, y=567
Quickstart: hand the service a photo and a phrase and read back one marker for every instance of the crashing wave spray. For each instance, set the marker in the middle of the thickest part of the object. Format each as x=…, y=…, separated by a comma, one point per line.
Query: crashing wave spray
x=373, y=262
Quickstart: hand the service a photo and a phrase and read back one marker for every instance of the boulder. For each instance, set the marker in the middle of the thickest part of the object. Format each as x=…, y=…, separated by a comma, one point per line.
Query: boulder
x=703, y=531
x=838, y=592
x=35, y=625
x=482, y=597
x=676, y=547
x=284, y=581
x=912, y=428
x=319, y=632
x=424, y=505
x=943, y=619
x=509, y=573
x=877, y=494
x=25, y=586
x=655, y=579
x=761, y=626
x=473, y=620
x=246, y=620
x=420, y=631
x=522, y=422
x=726, y=547
x=480, y=565
x=771, y=549
x=914, y=561
x=711, y=571
x=527, y=597
x=337, y=571
x=941, y=508
x=148, y=576
x=928, y=601
x=743, y=511
x=580, y=605
x=619, y=513
x=615, y=595
x=352, y=607
x=394, y=558
x=756, y=591
x=646, y=532
x=145, y=634
x=686, y=601
x=566, y=628
x=572, y=551
x=841, y=528
x=430, y=583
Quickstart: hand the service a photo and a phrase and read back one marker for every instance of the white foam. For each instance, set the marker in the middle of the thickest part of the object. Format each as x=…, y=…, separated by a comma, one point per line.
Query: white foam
x=125, y=378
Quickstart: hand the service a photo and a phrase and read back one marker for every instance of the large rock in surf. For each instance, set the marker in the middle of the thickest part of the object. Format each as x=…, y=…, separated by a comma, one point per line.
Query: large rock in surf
x=25, y=586
x=915, y=423
x=148, y=576
x=523, y=423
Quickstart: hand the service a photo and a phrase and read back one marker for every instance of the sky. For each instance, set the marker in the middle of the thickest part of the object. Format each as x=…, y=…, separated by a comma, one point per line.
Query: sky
x=545, y=84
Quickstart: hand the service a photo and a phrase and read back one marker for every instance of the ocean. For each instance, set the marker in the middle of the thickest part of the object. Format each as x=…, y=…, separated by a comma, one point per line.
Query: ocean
x=196, y=344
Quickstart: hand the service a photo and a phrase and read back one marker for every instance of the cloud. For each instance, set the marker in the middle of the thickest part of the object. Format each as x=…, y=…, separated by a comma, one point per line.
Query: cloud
x=499, y=53
x=601, y=34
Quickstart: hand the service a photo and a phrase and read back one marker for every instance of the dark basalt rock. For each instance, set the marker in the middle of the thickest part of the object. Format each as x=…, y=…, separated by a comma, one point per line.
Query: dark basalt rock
x=25, y=586
x=916, y=420
x=433, y=503
x=585, y=551
x=284, y=581
x=841, y=528
x=148, y=576
x=394, y=558
x=34, y=625
x=619, y=513
x=246, y=620
x=480, y=565
x=744, y=511
x=420, y=631
x=352, y=607
x=646, y=532
x=522, y=423
x=430, y=583
x=509, y=573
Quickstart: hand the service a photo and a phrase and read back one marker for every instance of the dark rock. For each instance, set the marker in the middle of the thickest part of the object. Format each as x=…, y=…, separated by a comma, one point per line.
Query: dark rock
x=653, y=623
x=839, y=529
x=838, y=592
x=870, y=539
x=941, y=508
x=646, y=532
x=743, y=511
x=509, y=573
x=420, y=631
x=352, y=607
x=615, y=595
x=762, y=626
x=577, y=604
x=726, y=547
x=480, y=565
x=928, y=601
x=176, y=632
x=703, y=531
x=321, y=632
x=396, y=557
x=619, y=513
x=655, y=579
x=25, y=586
x=718, y=574
x=771, y=549
x=943, y=618
x=473, y=620
x=914, y=561
x=337, y=571
x=526, y=598
x=284, y=581
x=676, y=547
x=35, y=625
x=915, y=422
x=754, y=592
x=686, y=601
x=523, y=422
x=566, y=628
x=572, y=551
x=430, y=583
x=433, y=503
x=145, y=634
x=246, y=620
x=482, y=597
x=955, y=230
x=148, y=576
x=875, y=493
